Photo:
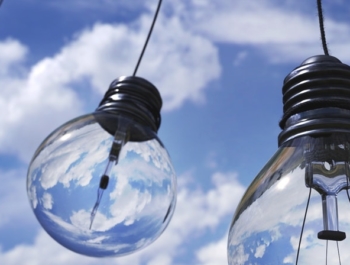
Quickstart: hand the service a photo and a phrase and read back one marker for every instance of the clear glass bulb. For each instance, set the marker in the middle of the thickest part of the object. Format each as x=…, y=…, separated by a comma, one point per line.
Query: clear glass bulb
x=102, y=185
x=268, y=223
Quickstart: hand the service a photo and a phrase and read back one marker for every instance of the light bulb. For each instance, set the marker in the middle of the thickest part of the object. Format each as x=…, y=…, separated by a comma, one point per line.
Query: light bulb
x=297, y=210
x=103, y=183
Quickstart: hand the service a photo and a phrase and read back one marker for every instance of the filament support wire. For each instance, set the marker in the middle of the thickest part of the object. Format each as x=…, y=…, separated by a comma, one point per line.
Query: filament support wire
x=302, y=228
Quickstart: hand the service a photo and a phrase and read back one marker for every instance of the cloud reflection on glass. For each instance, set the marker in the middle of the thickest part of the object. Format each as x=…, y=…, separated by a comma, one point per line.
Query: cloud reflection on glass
x=267, y=224
x=64, y=177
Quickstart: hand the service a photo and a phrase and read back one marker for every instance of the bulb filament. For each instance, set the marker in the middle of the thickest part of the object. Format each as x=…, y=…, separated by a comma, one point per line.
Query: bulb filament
x=120, y=138
x=103, y=185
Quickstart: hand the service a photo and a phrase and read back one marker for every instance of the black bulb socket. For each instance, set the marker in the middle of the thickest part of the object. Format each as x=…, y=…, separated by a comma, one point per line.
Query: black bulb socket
x=132, y=97
x=316, y=99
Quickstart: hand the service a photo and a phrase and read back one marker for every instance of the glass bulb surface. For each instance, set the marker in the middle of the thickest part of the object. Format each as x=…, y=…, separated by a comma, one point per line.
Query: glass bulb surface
x=64, y=185
x=268, y=222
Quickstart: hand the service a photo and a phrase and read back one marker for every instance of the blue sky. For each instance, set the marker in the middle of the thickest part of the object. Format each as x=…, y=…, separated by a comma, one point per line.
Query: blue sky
x=219, y=66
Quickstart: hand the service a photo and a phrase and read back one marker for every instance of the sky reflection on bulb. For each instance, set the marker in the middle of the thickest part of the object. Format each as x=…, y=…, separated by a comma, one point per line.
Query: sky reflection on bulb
x=136, y=206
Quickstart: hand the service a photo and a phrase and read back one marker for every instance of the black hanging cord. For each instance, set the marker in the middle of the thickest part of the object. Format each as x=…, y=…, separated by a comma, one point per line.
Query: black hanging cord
x=302, y=228
x=148, y=36
x=323, y=34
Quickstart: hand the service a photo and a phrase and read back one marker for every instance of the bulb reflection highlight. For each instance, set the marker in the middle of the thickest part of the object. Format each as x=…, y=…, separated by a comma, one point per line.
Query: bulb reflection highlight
x=282, y=184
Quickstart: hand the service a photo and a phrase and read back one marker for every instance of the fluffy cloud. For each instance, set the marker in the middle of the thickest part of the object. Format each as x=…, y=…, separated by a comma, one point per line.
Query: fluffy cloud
x=14, y=203
x=172, y=61
x=32, y=101
x=214, y=253
x=283, y=31
x=196, y=212
x=11, y=52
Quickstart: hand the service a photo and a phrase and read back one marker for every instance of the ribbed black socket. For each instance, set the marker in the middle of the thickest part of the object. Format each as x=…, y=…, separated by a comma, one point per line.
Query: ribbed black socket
x=316, y=99
x=135, y=98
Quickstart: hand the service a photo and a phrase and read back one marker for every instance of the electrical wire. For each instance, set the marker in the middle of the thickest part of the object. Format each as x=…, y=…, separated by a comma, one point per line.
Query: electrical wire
x=338, y=253
x=321, y=22
x=347, y=184
x=148, y=36
x=326, y=252
x=302, y=228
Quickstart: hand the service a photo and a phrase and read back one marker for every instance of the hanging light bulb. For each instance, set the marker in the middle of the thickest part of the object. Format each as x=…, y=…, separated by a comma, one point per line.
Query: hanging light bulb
x=103, y=184
x=297, y=210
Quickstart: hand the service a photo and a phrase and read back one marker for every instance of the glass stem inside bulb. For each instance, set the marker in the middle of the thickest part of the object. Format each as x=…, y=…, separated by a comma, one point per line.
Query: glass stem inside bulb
x=330, y=212
x=120, y=138
x=328, y=177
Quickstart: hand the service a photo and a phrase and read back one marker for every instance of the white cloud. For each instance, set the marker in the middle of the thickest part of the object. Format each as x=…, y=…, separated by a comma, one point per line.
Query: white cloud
x=214, y=253
x=14, y=203
x=44, y=252
x=285, y=32
x=254, y=23
x=196, y=212
x=160, y=260
x=260, y=251
x=47, y=201
x=11, y=53
x=172, y=60
x=32, y=101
